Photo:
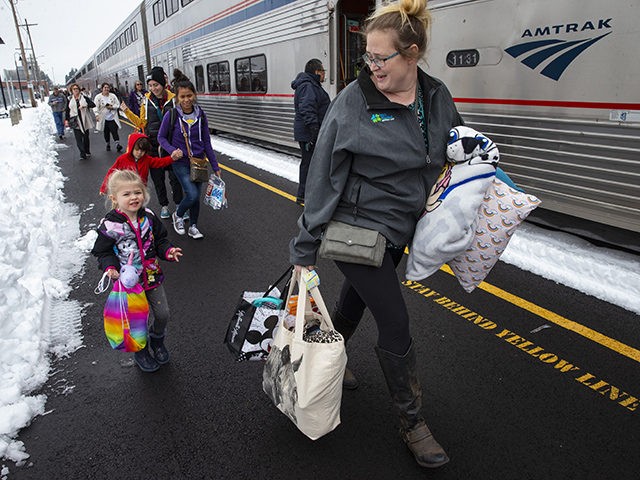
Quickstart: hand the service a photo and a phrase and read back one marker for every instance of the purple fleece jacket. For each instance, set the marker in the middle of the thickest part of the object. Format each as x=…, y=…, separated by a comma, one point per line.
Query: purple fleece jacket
x=198, y=134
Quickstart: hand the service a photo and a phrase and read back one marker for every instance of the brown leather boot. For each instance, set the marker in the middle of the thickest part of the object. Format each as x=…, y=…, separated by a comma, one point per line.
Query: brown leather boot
x=346, y=328
x=406, y=394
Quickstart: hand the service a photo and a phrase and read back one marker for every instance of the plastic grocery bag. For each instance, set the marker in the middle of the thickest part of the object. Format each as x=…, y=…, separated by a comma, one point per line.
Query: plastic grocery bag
x=215, y=195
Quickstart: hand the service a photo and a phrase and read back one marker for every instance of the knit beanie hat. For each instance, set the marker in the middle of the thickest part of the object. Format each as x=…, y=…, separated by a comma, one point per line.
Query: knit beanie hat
x=157, y=74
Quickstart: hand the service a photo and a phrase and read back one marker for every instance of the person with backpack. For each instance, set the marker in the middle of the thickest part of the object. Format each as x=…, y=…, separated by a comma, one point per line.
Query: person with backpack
x=157, y=102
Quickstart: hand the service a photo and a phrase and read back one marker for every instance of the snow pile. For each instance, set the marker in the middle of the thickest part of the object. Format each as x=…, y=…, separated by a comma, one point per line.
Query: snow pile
x=38, y=258
x=610, y=275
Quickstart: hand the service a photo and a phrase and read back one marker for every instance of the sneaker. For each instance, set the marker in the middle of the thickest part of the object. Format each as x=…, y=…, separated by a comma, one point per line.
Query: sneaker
x=83, y=157
x=108, y=147
x=194, y=232
x=186, y=215
x=119, y=147
x=178, y=224
x=164, y=212
x=61, y=137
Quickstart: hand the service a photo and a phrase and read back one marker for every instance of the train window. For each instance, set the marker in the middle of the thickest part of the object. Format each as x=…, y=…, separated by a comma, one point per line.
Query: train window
x=158, y=13
x=186, y=2
x=171, y=7
x=199, y=79
x=218, y=77
x=251, y=74
x=134, y=32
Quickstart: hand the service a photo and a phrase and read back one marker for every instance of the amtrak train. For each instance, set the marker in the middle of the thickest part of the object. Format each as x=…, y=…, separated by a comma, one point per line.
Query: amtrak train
x=553, y=83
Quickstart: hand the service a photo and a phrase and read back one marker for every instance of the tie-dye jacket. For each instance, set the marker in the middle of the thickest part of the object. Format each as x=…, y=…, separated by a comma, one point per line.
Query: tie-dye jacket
x=118, y=238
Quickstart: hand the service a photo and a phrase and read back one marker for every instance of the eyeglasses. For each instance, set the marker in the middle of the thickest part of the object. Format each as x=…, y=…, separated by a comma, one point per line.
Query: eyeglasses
x=378, y=62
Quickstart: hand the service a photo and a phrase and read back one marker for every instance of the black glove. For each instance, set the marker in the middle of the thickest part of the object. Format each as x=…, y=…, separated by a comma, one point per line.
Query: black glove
x=308, y=146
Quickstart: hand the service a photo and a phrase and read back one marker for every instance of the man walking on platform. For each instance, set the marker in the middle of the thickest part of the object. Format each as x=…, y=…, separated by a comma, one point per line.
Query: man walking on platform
x=58, y=104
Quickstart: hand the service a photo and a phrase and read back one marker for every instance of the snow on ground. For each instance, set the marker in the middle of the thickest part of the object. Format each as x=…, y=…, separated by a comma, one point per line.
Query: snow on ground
x=42, y=251
x=39, y=255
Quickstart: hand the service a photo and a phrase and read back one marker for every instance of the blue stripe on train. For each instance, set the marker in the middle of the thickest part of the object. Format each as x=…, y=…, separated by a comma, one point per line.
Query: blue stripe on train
x=237, y=17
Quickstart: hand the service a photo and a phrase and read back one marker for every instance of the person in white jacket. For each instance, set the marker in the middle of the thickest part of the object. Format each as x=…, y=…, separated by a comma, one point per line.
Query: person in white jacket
x=108, y=105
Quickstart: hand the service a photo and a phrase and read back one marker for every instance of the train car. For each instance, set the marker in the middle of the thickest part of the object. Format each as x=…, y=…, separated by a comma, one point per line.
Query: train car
x=552, y=83
x=241, y=55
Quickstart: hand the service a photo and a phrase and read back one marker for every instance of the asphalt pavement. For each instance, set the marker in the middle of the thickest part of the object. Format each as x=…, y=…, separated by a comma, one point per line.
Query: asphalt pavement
x=516, y=384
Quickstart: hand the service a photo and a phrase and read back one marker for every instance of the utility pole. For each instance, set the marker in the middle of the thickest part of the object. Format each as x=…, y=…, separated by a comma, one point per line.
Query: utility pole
x=33, y=53
x=23, y=56
x=18, y=75
x=4, y=100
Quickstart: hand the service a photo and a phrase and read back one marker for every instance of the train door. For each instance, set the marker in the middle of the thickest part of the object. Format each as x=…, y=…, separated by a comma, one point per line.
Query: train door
x=351, y=42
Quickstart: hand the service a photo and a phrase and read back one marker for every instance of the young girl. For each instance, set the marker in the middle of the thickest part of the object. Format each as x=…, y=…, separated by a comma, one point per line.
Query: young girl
x=137, y=158
x=132, y=228
x=187, y=135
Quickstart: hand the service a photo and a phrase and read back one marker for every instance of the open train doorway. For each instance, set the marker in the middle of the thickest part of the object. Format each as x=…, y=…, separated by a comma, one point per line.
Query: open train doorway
x=351, y=41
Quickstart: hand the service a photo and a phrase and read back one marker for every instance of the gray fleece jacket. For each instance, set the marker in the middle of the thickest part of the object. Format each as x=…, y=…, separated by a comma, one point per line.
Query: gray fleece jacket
x=370, y=167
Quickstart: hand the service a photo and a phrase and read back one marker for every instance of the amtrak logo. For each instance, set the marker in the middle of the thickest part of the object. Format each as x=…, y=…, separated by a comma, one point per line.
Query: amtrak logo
x=558, y=54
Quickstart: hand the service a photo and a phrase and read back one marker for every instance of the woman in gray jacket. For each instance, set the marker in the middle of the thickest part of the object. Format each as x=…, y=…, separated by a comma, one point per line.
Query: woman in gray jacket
x=380, y=149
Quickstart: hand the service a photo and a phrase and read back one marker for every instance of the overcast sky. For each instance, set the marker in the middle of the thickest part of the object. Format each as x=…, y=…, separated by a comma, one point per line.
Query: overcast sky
x=67, y=32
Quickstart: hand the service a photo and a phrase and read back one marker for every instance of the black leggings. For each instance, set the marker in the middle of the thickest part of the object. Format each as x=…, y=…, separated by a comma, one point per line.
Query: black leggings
x=111, y=127
x=379, y=290
x=82, y=141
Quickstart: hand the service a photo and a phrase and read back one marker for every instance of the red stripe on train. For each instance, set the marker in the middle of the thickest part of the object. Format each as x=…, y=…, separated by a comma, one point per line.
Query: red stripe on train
x=285, y=95
x=550, y=103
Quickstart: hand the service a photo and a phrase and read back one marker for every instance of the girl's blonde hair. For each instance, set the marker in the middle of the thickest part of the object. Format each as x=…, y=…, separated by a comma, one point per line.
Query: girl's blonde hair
x=410, y=19
x=119, y=177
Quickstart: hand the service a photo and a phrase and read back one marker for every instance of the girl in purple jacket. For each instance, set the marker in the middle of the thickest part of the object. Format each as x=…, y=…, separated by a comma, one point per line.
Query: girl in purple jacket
x=187, y=132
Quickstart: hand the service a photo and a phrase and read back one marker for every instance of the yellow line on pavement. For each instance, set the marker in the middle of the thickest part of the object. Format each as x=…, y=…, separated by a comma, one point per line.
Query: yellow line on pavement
x=559, y=320
x=548, y=315
x=258, y=182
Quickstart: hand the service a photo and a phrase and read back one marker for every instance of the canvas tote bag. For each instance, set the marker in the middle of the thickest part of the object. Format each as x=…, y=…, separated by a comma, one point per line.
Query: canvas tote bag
x=303, y=378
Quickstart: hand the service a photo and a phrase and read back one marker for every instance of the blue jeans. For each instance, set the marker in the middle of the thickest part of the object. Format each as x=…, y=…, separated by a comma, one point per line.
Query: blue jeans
x=57, y=116
x=191, y=191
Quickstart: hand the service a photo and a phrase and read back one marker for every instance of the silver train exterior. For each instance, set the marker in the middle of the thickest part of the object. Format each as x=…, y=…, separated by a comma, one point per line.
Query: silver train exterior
x=553, y=83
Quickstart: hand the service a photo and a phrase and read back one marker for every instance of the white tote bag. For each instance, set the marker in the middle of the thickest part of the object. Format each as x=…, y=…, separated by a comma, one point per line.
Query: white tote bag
x=302, y=377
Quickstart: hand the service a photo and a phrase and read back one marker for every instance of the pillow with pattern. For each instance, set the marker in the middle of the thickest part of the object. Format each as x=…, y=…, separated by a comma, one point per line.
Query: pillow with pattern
x=500, y=213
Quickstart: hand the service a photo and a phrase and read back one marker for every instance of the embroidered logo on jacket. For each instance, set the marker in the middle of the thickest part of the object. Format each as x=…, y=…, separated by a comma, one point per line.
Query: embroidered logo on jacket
x=381, y=117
